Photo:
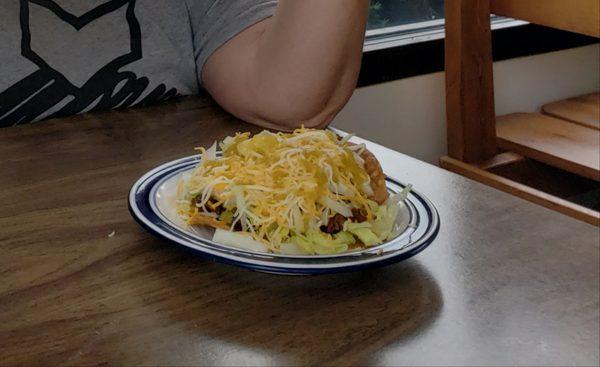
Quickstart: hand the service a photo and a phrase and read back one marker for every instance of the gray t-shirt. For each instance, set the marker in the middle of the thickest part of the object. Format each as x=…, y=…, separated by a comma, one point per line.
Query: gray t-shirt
x=63, y=57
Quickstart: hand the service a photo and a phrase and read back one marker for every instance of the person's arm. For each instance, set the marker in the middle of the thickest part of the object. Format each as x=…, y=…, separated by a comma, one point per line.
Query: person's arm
x=298, y=67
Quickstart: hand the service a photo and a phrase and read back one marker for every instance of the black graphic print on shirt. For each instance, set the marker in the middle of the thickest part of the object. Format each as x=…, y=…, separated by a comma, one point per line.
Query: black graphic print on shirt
x=96, y=83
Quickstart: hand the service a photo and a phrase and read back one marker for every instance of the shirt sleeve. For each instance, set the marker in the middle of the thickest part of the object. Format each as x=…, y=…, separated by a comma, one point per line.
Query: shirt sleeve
x=215, y=22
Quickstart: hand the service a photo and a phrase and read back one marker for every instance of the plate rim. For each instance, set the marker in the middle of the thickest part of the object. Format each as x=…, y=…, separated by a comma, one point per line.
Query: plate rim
x=252, y=259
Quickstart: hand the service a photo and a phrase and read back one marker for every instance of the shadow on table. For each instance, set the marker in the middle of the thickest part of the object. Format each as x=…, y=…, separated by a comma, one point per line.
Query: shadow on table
x=308, y=319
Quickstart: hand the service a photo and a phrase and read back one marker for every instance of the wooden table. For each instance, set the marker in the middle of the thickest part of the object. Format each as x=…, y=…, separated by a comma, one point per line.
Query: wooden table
x=506, y=281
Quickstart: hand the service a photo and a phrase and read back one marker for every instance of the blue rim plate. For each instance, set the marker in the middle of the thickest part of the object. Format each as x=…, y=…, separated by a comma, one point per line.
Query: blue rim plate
x=146, y=204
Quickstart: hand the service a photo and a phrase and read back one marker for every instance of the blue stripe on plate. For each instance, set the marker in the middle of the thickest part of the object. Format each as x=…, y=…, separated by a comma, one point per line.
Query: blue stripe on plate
x=426, y=226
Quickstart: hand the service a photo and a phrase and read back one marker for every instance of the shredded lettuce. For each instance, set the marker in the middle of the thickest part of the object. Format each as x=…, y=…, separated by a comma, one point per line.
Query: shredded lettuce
x=283, y=188
x=292, y=249
x=226, y=216
x=344, y=237
x=365, y=235
x=338, y=207
x=385, y=218
x=350, y=226
x=382, y=227
x=239, y=240
x=313, y=241
x=211, y=153
x=401, y=196
x=316, y=242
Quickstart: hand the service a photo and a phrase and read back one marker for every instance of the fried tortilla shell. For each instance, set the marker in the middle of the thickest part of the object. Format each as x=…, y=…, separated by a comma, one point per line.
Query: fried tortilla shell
x=373, y=168
x=204, y=220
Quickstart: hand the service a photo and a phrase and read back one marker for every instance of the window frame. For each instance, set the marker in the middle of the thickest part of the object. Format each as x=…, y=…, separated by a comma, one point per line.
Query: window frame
x=397, y=52
x=395, y=36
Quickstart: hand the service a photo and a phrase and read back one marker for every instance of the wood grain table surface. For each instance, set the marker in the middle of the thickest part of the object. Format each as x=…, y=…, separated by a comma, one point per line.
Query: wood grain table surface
x=506, y=281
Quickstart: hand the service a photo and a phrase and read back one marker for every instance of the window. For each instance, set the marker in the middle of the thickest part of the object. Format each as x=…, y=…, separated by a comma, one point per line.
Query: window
x=395, y=23
x=398, y=22
x=392, y=13
x=405, y=38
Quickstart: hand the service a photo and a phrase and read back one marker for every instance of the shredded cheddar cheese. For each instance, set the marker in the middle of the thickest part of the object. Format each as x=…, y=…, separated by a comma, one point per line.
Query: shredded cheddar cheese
x=275, y=185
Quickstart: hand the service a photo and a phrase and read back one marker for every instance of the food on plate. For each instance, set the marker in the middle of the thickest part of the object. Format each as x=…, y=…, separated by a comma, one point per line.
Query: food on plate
x=306, y=192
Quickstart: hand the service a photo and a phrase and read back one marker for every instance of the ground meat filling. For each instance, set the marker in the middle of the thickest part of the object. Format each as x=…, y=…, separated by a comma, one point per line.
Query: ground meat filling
x=359, y=215
x=336, y=223
x=210, y=205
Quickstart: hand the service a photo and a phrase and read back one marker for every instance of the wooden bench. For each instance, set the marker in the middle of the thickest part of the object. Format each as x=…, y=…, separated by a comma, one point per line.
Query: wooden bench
x=566, y=135
x=556, y=142
x=583, y=110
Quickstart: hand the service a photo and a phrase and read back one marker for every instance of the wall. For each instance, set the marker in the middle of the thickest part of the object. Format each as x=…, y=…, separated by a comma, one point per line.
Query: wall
x=408, y=115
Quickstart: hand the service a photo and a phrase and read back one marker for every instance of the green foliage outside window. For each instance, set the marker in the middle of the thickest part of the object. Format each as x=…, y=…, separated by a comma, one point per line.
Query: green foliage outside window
x=387, y=13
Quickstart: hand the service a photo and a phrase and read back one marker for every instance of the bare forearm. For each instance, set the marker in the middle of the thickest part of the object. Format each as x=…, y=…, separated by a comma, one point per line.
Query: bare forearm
x=300, y=65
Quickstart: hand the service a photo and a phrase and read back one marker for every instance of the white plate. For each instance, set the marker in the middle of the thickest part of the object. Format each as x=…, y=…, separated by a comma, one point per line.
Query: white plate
x=152, y=204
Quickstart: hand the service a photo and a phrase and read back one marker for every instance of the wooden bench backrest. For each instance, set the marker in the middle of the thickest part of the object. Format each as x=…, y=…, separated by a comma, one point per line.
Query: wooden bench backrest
x=469, y=76
x=580, y=16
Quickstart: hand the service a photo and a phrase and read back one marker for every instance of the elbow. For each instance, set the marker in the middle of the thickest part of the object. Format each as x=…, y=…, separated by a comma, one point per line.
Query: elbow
x=311, y=109
x=281, y=103
x=292, y=115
